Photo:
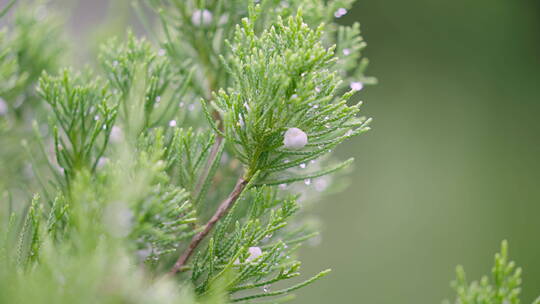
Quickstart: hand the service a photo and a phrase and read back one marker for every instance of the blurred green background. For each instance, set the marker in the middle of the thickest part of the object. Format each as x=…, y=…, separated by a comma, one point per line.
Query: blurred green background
x=451, y=167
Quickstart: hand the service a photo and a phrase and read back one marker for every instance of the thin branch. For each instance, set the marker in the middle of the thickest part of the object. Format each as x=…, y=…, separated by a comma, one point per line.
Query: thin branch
x=283, y=291
x=220, y=212
x=226, y=204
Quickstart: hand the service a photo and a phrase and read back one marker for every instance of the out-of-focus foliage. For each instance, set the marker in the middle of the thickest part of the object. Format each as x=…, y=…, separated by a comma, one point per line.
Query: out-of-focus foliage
x=31, y=43
x=503, y=287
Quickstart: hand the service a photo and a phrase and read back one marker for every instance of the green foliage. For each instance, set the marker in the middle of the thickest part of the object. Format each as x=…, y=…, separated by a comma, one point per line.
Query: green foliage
x=83, y=120
x=282, y=79
x=503, y=287
x=175, y=149
x=32, y=42
x=136, y=71
x=31, y=52
x=265, y=224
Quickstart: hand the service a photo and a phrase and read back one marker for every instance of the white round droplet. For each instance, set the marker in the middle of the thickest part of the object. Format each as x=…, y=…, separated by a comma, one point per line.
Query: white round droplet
x=303, y=165
x=172, y=123
x=295, y=138
x=340, y=12
x=357, y=86
x=307, y=181
x=102, y=161
x=254, y=253
x=346, y=52
x=201, y=18
x=321, y=184
x=161, y=52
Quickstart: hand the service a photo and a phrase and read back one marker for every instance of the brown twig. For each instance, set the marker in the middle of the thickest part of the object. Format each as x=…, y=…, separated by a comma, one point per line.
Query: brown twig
x=225, y=205
x=220, y=212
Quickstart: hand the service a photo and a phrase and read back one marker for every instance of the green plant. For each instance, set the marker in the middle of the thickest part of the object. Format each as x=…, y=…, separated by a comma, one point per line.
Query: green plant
x=503, y=287
x=173, y=171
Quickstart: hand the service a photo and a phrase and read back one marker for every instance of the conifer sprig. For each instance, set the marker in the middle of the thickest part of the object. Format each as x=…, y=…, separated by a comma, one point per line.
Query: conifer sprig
x=502, y=287
x=268, y=74
x=83, y=120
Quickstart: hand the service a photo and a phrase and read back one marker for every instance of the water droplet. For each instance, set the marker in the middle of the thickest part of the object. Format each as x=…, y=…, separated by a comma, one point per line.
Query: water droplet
x=317, y=89
x=357, y=86
x=161, y=52
x=303, y=165
x=312, y=161
x=172, y=123
x=307, y=181
x=346, y=52
x=116, y=134
x=96, y=117
x=283, y=186
x=266, y=288
x=158, y=98
x=201, y=18
x=191, y=107
x=102, y=162
x=295, y=138
x=181, y=104
x=340, y=12
x=321, y=184
x=115, y=63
